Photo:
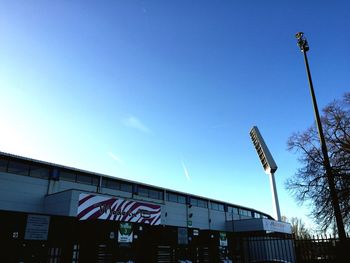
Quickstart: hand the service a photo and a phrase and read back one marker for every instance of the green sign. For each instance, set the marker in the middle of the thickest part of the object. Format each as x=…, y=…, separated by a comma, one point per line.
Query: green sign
x=125, y=233
x=223, y=239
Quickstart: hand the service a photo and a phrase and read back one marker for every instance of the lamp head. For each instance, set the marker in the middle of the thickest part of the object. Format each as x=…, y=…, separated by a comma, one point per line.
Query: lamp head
x=302, y=42
x=299, y=35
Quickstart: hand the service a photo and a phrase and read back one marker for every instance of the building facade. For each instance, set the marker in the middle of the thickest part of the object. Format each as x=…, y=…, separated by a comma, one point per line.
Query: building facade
x=54, y=213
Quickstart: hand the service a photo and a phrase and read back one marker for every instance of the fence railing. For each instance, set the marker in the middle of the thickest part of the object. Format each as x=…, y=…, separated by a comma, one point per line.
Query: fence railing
x=319, y=248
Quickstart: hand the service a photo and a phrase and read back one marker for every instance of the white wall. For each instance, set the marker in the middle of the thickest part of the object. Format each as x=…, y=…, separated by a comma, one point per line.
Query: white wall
x=29, y=194
x=22, y=193
x=200, y=217
x=176, y=214
x=218, y=220
x=59, y=203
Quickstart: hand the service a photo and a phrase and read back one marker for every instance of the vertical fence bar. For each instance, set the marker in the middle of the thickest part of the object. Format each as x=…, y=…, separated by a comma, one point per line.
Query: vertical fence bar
x=285, y=248
x=259, y=248
x=276, y=248
x=273, y=240
x=281, y=254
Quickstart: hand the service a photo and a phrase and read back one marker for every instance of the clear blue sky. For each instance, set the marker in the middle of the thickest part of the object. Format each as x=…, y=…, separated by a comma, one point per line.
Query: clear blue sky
x=165, y=92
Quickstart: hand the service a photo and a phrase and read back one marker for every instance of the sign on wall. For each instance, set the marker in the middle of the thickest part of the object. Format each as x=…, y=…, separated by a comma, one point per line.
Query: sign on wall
x=223, y=239
x=182, y=236
x=37, y=227
x=92, y=206
x=277, y=226
x=125, y=233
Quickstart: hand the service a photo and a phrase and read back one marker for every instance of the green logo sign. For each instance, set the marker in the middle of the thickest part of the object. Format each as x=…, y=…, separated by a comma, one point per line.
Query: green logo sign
x=125, y=233
x=223, y=239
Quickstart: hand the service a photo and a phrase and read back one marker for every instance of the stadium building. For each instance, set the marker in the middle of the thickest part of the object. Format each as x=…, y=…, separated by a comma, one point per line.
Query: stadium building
x=53, y=213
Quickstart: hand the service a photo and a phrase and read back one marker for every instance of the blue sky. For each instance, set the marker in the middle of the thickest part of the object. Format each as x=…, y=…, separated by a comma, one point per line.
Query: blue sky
x=165, y=92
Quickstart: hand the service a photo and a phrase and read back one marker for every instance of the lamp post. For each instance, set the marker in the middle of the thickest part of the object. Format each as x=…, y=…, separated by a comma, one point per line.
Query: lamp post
x=304, y=47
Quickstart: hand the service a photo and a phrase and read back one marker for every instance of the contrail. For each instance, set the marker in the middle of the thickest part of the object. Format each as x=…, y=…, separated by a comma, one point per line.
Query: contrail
x=114, y=157
x=185, y=171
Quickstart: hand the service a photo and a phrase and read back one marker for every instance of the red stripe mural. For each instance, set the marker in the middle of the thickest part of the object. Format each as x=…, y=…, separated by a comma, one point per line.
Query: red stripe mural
x=92, y=206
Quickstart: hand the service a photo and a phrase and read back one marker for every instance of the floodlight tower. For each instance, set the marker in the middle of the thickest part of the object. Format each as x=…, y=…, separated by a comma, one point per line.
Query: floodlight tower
x=268, y=164
x=304, y=48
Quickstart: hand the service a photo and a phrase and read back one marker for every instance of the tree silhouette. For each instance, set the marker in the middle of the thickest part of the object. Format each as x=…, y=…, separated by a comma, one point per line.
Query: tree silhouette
x=310, y=181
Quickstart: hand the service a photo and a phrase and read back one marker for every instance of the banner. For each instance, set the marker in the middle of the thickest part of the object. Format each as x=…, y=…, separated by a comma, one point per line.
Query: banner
x=223, y=239
x=92, y=206
x=125, y=233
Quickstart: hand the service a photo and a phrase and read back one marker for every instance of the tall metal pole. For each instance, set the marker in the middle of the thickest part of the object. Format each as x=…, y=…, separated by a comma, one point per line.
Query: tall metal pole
x=304, y=47
x=275, y=202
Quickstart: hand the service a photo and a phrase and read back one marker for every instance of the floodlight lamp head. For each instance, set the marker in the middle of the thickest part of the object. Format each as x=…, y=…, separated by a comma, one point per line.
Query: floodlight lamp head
x=302, y=42
x=263, y=152
x=299, y=35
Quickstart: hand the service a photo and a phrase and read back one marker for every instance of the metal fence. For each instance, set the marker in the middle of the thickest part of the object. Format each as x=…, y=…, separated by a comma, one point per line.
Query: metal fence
x=266, y=249
x=321, y=248
x=289, y=249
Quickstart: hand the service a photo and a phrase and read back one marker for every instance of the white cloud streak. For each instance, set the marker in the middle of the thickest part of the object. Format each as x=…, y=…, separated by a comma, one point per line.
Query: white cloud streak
x=185, y=171
x=135, y=123
x=115, y=157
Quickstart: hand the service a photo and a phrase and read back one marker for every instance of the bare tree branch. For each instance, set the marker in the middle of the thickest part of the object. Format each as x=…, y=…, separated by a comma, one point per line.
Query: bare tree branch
x=309, y=184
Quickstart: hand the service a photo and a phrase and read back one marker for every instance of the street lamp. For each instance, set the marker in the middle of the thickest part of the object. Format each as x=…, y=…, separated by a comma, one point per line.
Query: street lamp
x=304, y=47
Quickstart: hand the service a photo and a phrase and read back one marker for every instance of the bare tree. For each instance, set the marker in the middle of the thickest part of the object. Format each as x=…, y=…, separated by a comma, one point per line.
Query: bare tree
x=299, y=228
x=310, y=181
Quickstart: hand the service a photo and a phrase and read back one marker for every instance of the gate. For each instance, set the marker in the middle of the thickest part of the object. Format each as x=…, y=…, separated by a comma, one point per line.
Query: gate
x=204, y=254
x=165, y=254
x=259, y=249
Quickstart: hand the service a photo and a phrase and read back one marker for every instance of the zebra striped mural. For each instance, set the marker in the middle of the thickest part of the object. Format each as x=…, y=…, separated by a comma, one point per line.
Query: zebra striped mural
x=112, y=208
